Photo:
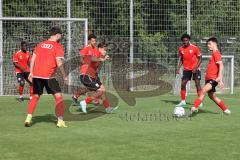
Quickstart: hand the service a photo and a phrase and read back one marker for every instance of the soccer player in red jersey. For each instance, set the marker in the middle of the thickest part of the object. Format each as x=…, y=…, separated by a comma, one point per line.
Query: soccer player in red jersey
x=91, y=56
x=190, y=58
x=102, y=47
x=214, y=76
x=47, y=56
x=21, y=61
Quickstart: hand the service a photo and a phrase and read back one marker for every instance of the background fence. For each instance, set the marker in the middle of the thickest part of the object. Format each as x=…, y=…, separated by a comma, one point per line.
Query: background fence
x=156, y=28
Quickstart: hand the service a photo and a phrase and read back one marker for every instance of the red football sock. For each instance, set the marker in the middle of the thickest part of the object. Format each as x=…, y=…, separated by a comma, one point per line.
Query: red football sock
x=20, y=89
x=183, y=94
x=88, y=100
x=31, y=90
x=222, y=105
x=59, y=110
x=199, y=93
x=32, y=104
x=197, y=103
x=106, y=103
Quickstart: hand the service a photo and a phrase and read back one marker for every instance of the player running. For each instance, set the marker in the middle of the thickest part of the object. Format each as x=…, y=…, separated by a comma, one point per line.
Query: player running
x=91, y=57
x=214, y=76
x=47, y=56
x=191, y=58
x=21, y=61
x=77, y=93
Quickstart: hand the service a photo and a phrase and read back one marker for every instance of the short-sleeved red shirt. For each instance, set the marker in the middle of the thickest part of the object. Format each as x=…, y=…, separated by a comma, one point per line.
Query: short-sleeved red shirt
x=45, y=63
x=190, y=56
x=88, y=66
x=23, y=59
x=213, y=69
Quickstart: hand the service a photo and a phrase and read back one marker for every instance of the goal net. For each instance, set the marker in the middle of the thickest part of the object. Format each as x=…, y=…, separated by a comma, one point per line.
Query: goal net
x=228, y=76
x=33, y=31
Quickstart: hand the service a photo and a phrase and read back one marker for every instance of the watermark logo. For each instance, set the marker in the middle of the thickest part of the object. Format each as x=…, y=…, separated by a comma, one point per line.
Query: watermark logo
x=149, y=74
x=157, y=116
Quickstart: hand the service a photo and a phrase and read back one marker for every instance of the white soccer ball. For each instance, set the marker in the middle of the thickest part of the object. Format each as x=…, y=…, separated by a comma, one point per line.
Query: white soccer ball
x=179, y=112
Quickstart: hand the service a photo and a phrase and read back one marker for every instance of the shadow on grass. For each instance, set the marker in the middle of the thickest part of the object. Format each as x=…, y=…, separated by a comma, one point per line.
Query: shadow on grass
x=48, y=118
x=76, y=114
x=25, y=99
x=201, y=111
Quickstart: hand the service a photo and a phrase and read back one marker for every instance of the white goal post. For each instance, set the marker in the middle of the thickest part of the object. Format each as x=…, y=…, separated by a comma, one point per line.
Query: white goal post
x=72, y=38
x=228, y=76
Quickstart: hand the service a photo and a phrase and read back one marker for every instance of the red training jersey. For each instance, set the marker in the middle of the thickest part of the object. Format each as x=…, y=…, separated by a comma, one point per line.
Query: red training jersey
x=213, y=69
x=45, y=63
x=189, y=55
x=23, y=59
x=88, y=66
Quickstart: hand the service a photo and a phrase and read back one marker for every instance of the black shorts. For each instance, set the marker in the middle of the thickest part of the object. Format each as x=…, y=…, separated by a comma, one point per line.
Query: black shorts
x=51, y=85
x=21, y=77
x=188, y=75
x=213, y=83
x=89, y=82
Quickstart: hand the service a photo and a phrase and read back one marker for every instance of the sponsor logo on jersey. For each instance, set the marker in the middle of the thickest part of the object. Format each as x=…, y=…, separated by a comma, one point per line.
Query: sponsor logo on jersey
x=47, y=46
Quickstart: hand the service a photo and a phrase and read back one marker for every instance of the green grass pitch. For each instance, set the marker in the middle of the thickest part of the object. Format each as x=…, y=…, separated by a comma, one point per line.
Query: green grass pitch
x=145, y=131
